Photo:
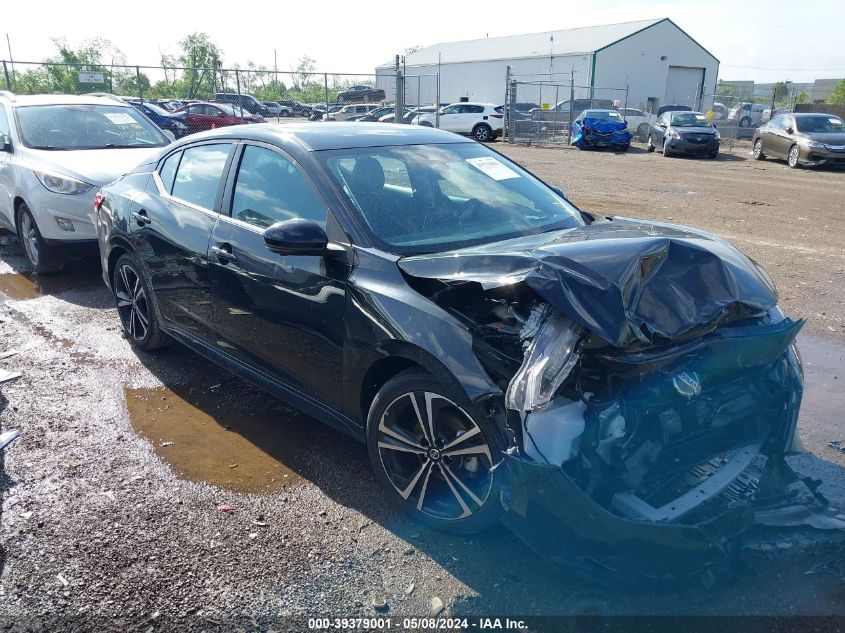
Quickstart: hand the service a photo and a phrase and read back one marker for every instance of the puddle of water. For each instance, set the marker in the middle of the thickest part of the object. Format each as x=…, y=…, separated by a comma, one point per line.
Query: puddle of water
x=27, y=285
x=209, y=438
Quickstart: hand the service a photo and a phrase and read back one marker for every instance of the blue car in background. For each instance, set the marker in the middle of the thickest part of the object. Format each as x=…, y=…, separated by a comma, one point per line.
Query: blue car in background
x=601, y=128
x=174, y=122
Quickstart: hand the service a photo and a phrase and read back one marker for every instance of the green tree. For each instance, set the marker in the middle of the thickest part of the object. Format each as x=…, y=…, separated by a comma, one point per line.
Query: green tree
x=202, y=60
x=780, y=91
x=837, y=97
x=802, y=97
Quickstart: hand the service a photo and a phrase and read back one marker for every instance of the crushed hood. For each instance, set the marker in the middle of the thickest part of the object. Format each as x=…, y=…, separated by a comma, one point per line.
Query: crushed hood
x=624, y=280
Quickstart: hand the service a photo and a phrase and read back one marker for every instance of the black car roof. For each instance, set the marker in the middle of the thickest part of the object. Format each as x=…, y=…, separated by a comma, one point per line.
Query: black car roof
x=316, y=136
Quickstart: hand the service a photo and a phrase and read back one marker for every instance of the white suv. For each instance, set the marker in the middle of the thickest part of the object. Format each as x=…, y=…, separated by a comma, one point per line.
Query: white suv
x=747, y=114
x=483, y=121
x=56, y=151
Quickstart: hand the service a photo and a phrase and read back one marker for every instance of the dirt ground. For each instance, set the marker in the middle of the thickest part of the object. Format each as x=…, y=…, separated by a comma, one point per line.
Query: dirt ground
x=154, y=492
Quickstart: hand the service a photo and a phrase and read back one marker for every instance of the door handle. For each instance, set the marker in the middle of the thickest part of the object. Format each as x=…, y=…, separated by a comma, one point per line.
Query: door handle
x=141, y=217
x=224, y=253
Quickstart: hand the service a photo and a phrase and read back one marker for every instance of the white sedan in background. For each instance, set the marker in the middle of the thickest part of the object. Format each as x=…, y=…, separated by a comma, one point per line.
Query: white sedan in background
x=483, y=121
x=639, y=122
x=56, y=151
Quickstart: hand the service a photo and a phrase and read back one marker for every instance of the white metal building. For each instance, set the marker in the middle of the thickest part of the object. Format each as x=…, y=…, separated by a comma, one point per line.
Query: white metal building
x=656, y=59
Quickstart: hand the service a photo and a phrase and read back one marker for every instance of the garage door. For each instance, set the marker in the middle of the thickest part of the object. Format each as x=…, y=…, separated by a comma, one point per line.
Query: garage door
x=684, y=85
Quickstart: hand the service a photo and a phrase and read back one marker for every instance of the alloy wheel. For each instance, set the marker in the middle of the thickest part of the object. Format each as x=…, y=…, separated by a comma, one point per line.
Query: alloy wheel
x=435, y=455
x=758, y=148
x=29, y=233
x=132, y=302
x=793, y=156
x=482, y=133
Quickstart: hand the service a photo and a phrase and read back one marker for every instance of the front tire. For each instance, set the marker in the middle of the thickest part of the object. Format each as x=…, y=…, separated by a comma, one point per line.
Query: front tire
x=643, y=130
x=757, y=151
x=745, y=122
x=434, y=456
x=136, y=305
x=793, y=158
x=650, y=144
x=482, y=133
x=43, y=257
x=666, y=151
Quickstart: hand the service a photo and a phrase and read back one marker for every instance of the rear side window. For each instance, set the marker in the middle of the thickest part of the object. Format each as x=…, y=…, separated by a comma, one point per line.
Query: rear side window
x=167, y=173
x=198, y=177
x=270, y=189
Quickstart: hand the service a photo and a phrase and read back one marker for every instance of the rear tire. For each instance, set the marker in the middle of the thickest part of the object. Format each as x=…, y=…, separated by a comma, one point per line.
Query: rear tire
x=136, y=305
x=434, y=453
x=43, y=257
x=482, y=133
x=757, y=152
x=745, y=122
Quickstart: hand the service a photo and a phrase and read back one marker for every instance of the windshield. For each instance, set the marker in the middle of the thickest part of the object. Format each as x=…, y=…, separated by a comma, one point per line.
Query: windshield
x=428, y=198
x=156, y=109
x=603, y=115
x=690, y=119
x=819, y=124
x=72, y=126
x=229, y=109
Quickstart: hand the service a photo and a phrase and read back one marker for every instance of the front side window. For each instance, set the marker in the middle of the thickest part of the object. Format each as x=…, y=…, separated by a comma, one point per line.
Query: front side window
x=452, y=109
x=269, y=189
x=86, y=126
x=428, y=198
x=198, y=177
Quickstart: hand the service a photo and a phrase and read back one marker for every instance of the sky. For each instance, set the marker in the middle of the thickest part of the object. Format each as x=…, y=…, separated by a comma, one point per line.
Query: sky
x=758, y=40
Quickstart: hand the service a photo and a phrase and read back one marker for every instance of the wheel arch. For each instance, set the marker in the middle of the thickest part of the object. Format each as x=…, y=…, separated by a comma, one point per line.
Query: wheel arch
x=400, y=356
x=117, y=247
x=17, y=202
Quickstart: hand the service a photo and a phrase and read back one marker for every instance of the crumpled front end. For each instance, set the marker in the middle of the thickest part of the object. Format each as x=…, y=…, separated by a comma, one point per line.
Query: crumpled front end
x=651, y=389
x=593, y=132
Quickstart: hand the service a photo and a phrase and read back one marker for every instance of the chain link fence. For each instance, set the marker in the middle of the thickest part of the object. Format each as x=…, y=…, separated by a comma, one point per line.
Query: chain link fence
x=189, y=99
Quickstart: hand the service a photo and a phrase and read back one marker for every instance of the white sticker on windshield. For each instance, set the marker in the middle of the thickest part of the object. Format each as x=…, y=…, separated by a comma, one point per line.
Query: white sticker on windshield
x=493, y=168
x=120, y=118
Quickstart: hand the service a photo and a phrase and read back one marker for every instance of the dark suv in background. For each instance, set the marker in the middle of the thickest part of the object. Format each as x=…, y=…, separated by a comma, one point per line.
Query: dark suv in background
x=247, y=102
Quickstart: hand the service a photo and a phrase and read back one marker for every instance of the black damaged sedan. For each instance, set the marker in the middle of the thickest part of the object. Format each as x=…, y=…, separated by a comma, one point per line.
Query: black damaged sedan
x=616, y=390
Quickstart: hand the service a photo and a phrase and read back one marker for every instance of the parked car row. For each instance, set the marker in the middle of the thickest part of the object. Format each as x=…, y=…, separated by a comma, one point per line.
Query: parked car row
x=416, y=291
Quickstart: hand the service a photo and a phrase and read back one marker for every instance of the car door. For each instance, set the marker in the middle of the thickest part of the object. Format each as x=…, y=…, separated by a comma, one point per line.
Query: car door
x=280, y=314
x=781, y=137
x=659, y=130
x=769, y=135
x=198, y=119
x=449, y=118
x=469, y=116
x=171, y=230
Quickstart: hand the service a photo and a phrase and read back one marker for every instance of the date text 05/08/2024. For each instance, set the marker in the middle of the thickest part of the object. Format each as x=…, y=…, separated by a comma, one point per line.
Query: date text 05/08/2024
x=409, y=624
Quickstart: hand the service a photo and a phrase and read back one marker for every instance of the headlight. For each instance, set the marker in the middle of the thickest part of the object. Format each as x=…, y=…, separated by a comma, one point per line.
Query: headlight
x=815, y=145
x=58, y=183
x=717, y=136
x=548, y=361
x=673, y=134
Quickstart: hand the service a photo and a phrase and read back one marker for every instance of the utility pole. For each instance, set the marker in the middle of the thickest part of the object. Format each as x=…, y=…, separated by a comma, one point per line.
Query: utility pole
x=275, y=67
x=11, y=59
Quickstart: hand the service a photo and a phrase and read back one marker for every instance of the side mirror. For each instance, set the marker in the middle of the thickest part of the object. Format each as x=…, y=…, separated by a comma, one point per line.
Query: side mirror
x=5, y=143
x=789, y=130
x=296, y=237
x=560, y=191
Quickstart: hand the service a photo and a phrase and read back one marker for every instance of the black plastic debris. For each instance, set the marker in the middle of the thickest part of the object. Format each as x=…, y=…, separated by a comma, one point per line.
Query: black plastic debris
x=837, y=445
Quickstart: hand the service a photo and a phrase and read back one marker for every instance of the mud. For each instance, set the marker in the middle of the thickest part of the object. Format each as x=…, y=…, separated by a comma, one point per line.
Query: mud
x=206, y=438
x=22, y=286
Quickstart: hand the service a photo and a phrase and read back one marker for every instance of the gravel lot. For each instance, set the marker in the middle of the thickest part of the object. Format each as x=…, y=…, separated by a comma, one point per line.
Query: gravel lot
x=109, y=519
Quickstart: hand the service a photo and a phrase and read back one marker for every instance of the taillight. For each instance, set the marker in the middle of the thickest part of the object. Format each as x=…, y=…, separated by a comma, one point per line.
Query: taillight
x=99, y=199
x=497, y=116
